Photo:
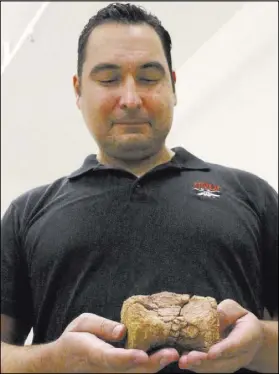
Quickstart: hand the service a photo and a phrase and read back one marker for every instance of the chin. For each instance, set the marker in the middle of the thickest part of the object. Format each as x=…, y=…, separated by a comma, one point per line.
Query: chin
x=134, y=141
x=132, y=150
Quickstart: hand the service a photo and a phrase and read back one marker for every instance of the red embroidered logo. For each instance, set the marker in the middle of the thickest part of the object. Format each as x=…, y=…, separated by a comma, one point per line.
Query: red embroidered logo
x=207, y=189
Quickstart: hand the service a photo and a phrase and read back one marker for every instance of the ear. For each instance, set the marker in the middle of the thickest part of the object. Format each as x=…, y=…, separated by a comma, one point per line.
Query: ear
x=174, y=99
x=174, y=94
x=76, y=85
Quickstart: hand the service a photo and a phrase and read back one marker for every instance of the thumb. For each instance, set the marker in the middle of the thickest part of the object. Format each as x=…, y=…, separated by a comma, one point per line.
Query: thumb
x=104, y=328
x=229, y=312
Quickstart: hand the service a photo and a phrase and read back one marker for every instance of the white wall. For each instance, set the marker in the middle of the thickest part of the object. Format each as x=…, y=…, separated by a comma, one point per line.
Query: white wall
x=228, y=97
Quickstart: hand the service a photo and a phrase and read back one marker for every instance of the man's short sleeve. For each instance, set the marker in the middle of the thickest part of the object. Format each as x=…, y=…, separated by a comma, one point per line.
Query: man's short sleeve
x=270, y=251
x=16, y=299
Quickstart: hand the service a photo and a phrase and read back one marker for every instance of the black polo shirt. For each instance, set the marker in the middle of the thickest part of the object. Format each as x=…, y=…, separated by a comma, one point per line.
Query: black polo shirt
x=88, y=241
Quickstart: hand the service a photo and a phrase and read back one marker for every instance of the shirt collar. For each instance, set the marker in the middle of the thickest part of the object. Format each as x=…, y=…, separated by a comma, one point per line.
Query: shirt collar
x=182, y=159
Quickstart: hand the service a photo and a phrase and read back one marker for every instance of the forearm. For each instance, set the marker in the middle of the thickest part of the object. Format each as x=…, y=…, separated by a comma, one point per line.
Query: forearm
x=266, y=359
x=27, y=359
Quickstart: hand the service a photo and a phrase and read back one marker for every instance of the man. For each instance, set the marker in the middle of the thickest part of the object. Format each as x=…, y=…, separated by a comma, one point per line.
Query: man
x=138, y=218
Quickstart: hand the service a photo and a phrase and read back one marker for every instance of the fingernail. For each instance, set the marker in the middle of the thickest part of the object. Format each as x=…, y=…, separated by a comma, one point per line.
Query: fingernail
x=117, y=330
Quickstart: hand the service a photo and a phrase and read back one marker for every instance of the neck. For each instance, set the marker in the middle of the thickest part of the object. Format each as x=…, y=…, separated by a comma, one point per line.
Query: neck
x=138, y=167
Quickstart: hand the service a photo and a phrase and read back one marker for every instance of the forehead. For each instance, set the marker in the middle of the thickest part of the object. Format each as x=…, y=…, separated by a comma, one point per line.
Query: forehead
x=118, y=43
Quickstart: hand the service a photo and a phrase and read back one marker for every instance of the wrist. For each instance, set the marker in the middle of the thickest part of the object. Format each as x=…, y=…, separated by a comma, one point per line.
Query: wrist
x=27, y=359
x=265, y=358
x=39, y=358
x=256, y=359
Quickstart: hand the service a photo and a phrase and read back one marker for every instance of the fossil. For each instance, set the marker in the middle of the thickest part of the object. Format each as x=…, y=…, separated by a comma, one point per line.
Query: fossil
x=169, y=319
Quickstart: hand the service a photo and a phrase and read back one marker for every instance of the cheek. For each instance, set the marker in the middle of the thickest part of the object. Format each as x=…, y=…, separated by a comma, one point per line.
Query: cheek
x=105, y=107
x=98, y=105
x=159, y=105
x=96, y=109
x=161, y=99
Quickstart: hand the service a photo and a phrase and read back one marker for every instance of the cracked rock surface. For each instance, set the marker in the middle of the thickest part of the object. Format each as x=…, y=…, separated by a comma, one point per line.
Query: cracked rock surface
x=169, y=319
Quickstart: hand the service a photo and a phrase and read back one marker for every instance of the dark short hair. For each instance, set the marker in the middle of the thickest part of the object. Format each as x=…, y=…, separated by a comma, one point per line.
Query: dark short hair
x=123, y=14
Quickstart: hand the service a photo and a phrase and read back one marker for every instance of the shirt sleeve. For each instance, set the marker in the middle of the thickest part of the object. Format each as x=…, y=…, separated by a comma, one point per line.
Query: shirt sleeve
x=16, y=298
x=270, y=252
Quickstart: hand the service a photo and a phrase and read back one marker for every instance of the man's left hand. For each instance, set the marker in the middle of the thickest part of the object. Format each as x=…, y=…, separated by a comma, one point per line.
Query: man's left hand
x=234, y=351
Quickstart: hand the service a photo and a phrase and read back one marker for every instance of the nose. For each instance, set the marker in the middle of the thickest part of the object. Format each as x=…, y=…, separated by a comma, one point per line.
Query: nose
x=130, y=98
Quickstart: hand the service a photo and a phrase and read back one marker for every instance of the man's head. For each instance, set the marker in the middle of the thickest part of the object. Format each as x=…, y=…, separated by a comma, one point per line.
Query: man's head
x=124, y=85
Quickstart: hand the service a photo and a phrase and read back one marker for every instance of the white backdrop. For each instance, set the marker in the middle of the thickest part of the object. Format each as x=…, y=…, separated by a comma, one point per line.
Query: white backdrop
x=226, y=58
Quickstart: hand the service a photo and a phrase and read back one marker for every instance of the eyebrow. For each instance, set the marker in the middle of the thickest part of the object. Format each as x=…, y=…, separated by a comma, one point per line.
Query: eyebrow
x=101, y=67
x=153, y=64
x=105, y=66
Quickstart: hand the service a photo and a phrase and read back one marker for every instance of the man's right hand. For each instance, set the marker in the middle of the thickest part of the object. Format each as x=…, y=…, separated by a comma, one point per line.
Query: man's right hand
x=84, y=347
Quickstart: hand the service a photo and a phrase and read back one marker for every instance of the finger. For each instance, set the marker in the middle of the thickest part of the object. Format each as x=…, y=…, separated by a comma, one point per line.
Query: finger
x=237, y=342
x=162, y=358
x=105, y=356
x=192, y=358
x=123, y=360
x=228, y=365
x=99, y=326
x=158, y=361
x=229, y=312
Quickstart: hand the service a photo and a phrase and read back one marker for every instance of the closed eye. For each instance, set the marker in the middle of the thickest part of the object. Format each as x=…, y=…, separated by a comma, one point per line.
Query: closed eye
x=148, y=80
x=108, y=81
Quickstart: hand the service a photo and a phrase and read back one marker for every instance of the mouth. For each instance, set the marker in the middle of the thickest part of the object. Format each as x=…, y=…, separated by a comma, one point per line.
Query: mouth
x=132, y=123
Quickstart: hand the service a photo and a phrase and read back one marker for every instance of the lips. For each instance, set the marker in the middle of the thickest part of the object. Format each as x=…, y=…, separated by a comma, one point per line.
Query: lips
x=131, y=122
